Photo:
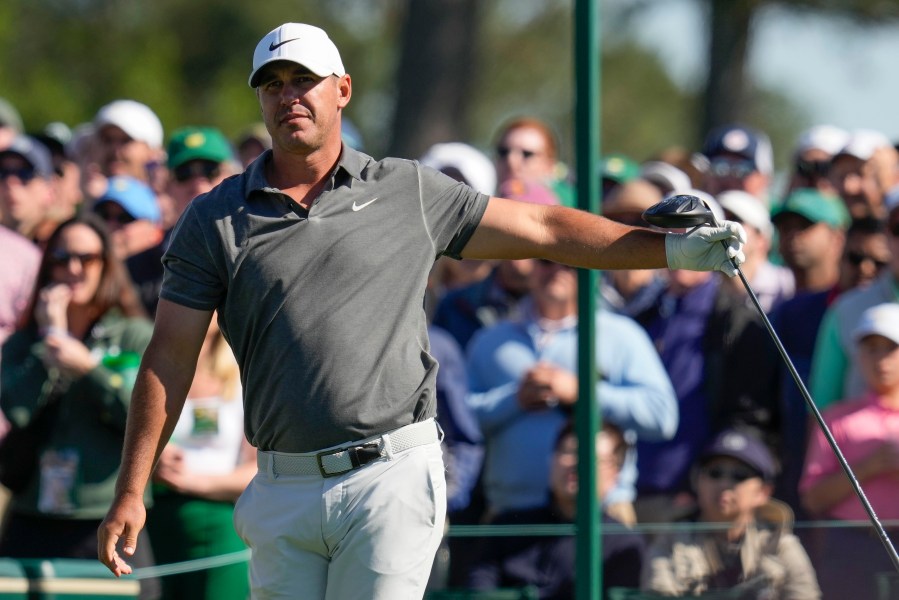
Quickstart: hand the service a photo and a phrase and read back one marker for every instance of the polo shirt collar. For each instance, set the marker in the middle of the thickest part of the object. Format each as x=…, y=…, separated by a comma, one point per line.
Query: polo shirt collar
x=351, y=161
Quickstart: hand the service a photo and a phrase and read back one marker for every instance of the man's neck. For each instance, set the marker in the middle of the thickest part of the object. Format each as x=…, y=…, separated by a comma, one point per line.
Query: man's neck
x=816, y=279
x=302, y=176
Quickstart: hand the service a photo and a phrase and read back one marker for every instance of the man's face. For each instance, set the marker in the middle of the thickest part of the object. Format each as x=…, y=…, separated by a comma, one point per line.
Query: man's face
x=865, y=256
x=118, y=154
x=856, y=181
x=563, y=468
x=193, y=178
x=300, y=109
x=25, y=197
x=524, y=153
x=879, y=363
x=728, y=490
x=728, y=171
x=804, y=244
x=553, y=283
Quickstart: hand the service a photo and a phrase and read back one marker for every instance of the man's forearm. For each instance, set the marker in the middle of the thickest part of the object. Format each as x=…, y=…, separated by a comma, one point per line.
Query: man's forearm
x=152, y=416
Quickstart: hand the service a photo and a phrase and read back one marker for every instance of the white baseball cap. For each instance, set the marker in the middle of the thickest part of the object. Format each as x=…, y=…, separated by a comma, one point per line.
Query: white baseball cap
x=882, y=319
x=134, y=118
x=863, y=143
x=748, y=209
x=299, y=43
x=475, y=167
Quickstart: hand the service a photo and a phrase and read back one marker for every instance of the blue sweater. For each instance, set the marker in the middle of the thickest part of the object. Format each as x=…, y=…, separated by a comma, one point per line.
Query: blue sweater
x=633, y=392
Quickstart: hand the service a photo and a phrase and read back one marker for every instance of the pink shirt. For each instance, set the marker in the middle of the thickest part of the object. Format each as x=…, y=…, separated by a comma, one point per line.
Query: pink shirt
x=859, y=427
x=18, y=269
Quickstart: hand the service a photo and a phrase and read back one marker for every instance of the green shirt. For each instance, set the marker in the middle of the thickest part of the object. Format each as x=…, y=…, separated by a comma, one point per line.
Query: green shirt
x=79, y=459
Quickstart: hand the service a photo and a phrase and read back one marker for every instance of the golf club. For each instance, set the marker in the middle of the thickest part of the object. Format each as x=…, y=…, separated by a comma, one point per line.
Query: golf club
x=686, y=211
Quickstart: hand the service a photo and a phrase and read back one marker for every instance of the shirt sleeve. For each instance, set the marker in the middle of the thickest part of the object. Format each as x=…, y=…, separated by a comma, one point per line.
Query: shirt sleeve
x=191, y=276
x=829, y=364
x=451, y=210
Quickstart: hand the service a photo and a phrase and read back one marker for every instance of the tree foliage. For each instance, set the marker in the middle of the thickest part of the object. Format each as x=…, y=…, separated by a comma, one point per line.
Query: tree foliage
x=63, y=59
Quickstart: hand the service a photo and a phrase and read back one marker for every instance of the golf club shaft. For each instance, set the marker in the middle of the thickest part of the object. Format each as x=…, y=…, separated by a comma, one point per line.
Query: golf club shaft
x=827, y=434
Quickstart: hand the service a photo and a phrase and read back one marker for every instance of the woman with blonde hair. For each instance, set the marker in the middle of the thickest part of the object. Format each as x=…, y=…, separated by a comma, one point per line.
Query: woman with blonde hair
x=202, y=470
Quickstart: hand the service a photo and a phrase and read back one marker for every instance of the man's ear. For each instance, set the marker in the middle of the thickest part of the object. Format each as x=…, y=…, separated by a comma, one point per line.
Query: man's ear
x=345, y=90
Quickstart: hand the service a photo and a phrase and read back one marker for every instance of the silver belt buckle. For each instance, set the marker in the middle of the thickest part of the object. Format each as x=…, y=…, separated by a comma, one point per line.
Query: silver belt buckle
x=359, y=457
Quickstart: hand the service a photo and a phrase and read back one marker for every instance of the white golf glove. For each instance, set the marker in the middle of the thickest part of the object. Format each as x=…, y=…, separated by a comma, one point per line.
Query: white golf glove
x=700, y=249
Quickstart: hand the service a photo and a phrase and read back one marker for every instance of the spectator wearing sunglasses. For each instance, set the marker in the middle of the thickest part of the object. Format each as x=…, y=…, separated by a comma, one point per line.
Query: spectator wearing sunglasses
x=527, y=148
x=815, y=148
x=68, y=372
x=740, y=158
x=131, y=212
x=741, y=540
x=26, y=187
x=835, y=371
x=199, y=158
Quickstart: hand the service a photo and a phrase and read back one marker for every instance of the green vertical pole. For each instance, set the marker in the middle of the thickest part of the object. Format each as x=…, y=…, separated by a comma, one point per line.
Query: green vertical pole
x=586, y=60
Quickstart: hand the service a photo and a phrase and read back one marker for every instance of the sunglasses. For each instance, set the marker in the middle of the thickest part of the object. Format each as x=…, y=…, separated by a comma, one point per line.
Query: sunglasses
x=23, y=175
x=813, y=168
x=734, y=475
x=857, y=258
x=505, y=151
x=120, y=218
x=196, y=168
x=63, y=258
x=724, y=167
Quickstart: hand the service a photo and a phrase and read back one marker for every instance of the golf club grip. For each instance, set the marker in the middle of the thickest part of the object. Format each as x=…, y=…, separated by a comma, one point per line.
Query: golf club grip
x=884, y=537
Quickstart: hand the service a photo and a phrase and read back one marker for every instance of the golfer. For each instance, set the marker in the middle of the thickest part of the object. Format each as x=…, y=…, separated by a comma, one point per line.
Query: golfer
x=316, y=259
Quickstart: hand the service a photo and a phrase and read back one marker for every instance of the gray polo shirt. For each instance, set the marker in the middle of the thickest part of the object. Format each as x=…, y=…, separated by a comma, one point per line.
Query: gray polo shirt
x=324, y=311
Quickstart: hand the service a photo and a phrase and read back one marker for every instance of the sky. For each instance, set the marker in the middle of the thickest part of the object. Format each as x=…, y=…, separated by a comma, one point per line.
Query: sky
x=844, y=74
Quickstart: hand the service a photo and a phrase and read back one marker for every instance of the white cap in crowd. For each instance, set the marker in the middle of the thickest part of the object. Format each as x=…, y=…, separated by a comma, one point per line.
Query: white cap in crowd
x=829, y=138
x=748, y=209
x=665, y=176
x=882, y=319
x=862, y=143
x=298, y=43
x=135, y=119
x=472, y=164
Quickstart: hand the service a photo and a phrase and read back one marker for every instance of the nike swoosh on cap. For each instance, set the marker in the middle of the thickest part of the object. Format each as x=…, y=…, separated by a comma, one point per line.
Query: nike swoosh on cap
x=273, y=45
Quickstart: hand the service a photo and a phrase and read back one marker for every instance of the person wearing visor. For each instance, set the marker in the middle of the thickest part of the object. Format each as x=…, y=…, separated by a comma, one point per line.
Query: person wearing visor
x=317, y=258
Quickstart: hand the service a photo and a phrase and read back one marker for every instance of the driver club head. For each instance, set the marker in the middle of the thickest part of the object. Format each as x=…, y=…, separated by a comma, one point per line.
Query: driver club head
x=681, y=211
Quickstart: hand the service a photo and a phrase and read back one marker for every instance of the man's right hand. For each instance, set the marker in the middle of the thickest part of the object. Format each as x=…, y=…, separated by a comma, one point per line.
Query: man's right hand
x=701, y=248
x=123, y=522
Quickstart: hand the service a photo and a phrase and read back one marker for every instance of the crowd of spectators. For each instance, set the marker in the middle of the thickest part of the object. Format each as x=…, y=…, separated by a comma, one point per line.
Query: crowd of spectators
x=703, y=424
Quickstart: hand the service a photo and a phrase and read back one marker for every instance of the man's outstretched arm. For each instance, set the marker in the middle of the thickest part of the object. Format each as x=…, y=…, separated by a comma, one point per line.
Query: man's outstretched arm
x=512, y=229
x=165, y=375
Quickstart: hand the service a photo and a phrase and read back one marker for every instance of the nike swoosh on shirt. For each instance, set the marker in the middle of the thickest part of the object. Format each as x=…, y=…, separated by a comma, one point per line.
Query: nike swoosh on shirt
x=273, y=45
x=363, y=205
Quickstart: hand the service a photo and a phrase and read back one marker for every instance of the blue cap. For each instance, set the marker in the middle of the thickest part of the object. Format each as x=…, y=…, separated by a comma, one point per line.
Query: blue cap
x=744, y=447
x=751, y=144
x=134, y=196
